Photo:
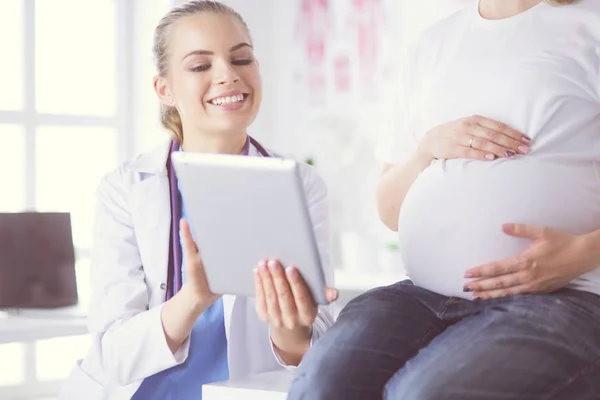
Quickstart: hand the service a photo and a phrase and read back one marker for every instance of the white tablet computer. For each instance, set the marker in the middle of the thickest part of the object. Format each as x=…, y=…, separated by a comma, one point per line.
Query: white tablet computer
x=245, y=209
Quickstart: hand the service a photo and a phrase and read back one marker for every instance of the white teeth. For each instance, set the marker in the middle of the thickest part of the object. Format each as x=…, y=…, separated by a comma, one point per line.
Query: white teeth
x=228, y=99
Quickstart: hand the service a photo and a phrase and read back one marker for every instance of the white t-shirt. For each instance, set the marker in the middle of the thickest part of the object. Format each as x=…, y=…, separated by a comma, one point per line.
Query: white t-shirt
x=538, y=72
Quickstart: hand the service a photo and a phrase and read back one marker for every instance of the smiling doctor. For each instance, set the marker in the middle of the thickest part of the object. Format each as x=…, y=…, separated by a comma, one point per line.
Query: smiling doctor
x=158, y=332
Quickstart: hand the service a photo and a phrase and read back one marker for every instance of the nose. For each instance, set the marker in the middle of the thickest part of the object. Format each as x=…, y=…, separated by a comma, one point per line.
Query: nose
x=225, y=74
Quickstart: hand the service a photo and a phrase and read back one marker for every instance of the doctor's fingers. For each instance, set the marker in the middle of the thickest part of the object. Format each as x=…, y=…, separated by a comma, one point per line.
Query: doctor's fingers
x=261, y=304
x=190, y=249
x=285, y=296
x=331, y=294
x=273, y=310
x=307, y=309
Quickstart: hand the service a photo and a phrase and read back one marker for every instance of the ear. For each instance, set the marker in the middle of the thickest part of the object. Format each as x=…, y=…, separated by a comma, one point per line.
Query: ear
x=162, y=91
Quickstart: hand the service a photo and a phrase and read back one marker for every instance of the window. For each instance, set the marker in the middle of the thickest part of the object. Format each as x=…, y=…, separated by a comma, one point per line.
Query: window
x=12, y=165
x=64, y=118
x=75, y=58
x=65, y=121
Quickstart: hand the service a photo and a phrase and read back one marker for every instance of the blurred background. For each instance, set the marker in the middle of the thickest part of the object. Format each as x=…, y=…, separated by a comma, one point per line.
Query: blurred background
x=76, y=99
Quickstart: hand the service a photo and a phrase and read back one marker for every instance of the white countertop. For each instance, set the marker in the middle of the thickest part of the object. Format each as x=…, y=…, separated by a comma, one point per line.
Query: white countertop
x=267, y=386
x=33, y=325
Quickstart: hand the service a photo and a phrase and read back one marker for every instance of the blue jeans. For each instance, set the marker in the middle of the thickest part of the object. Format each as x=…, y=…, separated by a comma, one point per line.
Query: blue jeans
x=405, y=342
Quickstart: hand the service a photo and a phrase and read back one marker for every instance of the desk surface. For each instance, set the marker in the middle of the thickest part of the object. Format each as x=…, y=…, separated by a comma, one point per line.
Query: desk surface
x=267, y=386
x=32, y=325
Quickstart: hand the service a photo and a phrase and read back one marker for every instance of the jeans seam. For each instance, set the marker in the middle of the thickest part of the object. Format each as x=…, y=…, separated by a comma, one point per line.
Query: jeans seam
x=445, y=307
x=431, y=329
x=588, y=368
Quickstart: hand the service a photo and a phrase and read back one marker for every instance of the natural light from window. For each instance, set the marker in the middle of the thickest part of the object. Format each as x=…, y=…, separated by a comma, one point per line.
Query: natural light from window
x=75, y=70
x=11, y=67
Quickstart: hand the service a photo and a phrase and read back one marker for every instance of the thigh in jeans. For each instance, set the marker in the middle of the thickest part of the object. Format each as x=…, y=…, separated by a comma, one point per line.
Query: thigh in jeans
x=373, y=337
x=537, y=347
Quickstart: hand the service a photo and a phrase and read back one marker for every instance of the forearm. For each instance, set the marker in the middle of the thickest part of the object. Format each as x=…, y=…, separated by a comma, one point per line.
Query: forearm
x=394, y=184
x=291, y=345
x=179, y=315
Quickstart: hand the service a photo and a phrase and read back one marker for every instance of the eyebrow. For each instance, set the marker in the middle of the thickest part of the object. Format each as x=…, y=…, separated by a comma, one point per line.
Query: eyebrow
x=210, y=53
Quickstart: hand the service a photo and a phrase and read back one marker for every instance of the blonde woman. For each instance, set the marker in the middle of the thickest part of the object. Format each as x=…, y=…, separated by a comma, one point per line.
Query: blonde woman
x=158, y=332
x=493, y=184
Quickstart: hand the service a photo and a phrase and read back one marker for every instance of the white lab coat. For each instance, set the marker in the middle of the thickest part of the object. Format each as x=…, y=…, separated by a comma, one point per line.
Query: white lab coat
x=129, y=276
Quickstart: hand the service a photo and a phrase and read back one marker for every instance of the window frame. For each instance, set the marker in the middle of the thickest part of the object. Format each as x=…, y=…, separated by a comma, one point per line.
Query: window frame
x=30, y=119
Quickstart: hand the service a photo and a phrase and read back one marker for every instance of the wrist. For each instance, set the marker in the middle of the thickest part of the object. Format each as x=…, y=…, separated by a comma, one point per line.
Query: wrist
x=291, y=342
x=423, y=158
x=591, y=246
x=195, y=302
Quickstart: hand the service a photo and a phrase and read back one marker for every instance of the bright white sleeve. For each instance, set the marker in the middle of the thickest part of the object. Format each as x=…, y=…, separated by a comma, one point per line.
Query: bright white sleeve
x=128, y=337
x=398, y=141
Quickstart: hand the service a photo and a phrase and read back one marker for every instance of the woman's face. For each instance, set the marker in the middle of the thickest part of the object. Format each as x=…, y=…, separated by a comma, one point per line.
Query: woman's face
x=213, y=78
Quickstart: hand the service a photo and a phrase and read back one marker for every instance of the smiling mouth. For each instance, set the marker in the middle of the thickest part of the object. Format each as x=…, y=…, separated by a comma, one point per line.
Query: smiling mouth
x=218, y=101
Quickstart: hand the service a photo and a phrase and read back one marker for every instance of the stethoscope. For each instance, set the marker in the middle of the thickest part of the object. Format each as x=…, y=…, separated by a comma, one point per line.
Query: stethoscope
x=175, y=254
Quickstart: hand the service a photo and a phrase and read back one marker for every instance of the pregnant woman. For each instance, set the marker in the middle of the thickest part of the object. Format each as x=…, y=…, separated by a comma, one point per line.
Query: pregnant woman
x=493, y=184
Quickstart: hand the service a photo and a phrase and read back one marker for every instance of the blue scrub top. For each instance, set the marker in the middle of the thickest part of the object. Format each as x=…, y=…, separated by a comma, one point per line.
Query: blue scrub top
x=206, y=362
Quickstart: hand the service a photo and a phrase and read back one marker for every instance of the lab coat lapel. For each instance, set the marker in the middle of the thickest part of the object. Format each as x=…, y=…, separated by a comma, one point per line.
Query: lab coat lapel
x=151, y=208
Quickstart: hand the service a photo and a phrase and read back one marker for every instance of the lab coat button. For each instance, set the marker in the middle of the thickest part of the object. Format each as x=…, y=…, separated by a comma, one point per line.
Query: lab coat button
x=163, y=286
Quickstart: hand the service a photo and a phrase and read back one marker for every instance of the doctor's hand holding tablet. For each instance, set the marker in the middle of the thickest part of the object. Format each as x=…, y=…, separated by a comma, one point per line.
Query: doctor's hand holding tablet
x=254, y=237
x=283, y=299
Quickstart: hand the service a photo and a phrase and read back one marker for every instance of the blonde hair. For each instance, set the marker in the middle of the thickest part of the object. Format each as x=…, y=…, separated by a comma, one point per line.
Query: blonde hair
x=169, y=116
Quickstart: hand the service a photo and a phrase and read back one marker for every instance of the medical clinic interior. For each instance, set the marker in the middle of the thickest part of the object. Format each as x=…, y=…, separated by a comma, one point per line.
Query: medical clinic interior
x=96, y=96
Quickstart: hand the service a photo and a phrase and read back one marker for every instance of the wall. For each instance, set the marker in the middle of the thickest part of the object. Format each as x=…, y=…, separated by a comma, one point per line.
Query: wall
x=337, y=125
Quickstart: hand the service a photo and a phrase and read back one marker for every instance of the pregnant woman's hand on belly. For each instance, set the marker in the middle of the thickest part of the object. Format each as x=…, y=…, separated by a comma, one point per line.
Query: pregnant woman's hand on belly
x=283, y=301
x=475, y=137
x=551, y=262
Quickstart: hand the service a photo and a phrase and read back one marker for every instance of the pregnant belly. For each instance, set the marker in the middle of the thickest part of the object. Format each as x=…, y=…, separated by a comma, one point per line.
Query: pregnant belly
x=451, y=218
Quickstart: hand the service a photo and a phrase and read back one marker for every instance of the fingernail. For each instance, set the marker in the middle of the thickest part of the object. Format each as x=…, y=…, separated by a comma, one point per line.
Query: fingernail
x=336, y=294
x=255, y=270
x=526, y=139
x=523, y=149
x=467, y=289
x=490, y=157
x=468, y=275
x=273, y=264
x=509, y=153
x=262, y=265
x=289, y=271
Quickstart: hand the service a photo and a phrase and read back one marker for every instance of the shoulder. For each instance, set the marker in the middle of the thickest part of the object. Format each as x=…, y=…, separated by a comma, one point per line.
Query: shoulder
x=135, y=170
x=582, y=12
x=444, y=28
x=592, y=6
x=429, y=45
x=314, y=185
x=587, y=14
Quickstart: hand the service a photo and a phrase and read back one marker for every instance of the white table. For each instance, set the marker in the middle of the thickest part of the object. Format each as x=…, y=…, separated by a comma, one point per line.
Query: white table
x=29, y=326
x=33, y=325
x=267, y=386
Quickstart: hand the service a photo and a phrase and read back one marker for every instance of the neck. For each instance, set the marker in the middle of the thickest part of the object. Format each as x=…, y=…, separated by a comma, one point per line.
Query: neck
x=499, y=9
x=214, y=143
